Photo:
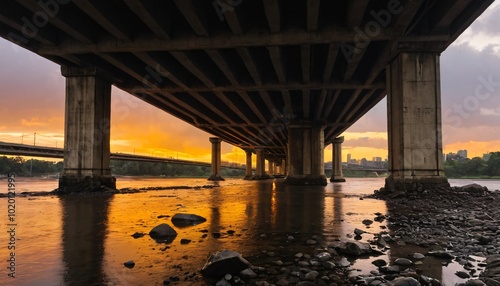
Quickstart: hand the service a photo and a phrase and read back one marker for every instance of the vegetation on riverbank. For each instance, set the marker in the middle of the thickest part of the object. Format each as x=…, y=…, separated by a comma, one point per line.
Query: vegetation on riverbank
x=35, y=167
x=475, y=168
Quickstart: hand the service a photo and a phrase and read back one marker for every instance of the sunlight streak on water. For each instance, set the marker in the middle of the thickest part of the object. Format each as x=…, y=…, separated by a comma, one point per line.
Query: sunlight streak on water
x=86, y=239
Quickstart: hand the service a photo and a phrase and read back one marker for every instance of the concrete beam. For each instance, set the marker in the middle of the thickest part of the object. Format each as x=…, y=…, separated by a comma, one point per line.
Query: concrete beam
x=156, y=19
x=264, y=87
x=148, y=43
x=193, y=17
x=312, y=14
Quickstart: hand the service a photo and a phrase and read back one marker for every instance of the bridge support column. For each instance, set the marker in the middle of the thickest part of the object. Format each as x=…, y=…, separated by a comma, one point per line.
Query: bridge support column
x=270, y=167
x=216, y=159
x=337, y=160
x=248, y=174
x=305, y=155
x=86, y=131
x=414, y=121
x=260, y=170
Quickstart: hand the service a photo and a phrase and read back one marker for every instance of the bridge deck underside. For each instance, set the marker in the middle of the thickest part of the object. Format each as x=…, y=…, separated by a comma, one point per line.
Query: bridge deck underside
x=242, y=69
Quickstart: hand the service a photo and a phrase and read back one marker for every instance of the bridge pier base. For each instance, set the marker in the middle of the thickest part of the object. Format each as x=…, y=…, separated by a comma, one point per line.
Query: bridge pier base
x=414, y=121
x=305, y=155
x=216, y=159
x=86, y=131
x=337, y=160
x=248, y=174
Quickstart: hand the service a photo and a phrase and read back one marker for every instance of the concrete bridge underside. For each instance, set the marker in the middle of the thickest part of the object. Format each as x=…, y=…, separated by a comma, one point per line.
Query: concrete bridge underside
x=277, y=78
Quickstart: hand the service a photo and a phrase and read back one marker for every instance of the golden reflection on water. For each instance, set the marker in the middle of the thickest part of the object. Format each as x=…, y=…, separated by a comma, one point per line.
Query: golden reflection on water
x=92, y=235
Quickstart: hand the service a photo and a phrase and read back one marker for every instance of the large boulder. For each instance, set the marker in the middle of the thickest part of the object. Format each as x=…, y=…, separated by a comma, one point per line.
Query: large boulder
x=491, y=274
x=163, y=233
x=181, y=220
x=224, y=262
x=405, y=281
x=355, y=248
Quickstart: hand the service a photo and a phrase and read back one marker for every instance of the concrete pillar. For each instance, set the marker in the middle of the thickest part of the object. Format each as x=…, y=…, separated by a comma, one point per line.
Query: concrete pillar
x=414, y=121
x=270, y=167
x=260, y=172
x=337, y=160
x=216, y=159
x=86, y=131
x=248, y=174
x=305, y=155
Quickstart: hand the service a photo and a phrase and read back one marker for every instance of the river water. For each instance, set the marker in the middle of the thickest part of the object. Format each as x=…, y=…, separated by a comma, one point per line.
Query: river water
x=84, y=240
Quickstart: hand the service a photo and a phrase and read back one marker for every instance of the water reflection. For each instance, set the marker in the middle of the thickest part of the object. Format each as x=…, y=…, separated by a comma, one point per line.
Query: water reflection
x=84, y=231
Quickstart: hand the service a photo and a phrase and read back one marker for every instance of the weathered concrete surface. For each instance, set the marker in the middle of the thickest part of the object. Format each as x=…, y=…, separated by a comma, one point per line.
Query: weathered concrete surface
x=248, y=173
x=414, y=120
x=260, y=171
x=306, y=162
x=86, y=131
x=216, y=159
x=337, y=160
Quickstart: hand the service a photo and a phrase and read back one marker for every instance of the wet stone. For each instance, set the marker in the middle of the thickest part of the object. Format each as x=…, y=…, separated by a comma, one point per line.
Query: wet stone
x=163, y=233
x=417, y=255
x=129, y=264
x=403, y=262
x=311, y=276
x=379, y=262
x=224, y=262
x=462, y=274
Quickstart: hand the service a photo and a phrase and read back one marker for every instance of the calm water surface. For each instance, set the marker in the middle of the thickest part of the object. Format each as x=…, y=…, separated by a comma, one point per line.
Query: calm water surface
x=80, y=240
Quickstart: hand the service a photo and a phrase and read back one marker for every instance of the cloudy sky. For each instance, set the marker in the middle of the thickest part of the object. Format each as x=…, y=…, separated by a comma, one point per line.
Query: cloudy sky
x=32, y=100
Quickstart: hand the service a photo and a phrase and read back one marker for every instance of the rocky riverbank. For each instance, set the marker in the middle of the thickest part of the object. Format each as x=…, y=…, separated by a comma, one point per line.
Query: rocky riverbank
x=455, y=225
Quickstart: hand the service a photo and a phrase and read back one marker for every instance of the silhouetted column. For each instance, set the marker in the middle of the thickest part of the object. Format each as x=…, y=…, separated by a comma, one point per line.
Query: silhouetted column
x=270, y=166
x=86, y=131
x=414, y=121
x=305, y=155
x=248, y=174
x=216, y=159
x=337, y=160
x=260, y=172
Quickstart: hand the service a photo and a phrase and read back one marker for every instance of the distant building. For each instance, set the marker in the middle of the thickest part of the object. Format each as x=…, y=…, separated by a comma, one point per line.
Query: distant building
x=349, y=158
x=451, y=156
x=462, y=154
x=377, y=159
x=364, y=162
x=486, y=156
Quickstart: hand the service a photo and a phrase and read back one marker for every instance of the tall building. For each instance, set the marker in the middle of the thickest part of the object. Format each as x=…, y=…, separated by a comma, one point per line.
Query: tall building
x=462, y=153
x=486, y=156
x=349, y=158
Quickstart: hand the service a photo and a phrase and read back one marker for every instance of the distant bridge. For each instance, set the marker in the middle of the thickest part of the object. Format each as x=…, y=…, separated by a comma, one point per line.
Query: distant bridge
x=14, y=149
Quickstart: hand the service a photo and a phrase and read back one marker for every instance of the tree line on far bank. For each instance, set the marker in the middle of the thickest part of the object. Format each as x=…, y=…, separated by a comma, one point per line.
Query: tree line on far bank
x=475, y=167
x=35, y=167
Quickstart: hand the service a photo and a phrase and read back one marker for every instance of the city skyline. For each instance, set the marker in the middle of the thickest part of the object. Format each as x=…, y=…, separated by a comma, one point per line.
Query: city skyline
x=32, y=100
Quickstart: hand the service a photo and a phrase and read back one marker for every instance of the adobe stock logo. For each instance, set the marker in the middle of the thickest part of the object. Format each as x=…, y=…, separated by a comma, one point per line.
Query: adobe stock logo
x=31, y=27
x=463, y=110
x=373, y=28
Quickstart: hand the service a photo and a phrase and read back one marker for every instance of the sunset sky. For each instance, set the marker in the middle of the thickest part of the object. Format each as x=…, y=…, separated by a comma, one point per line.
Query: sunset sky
x=32, y=100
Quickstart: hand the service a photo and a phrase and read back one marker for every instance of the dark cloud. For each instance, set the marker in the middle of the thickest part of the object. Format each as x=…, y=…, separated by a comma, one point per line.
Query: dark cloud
x=470, y=81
